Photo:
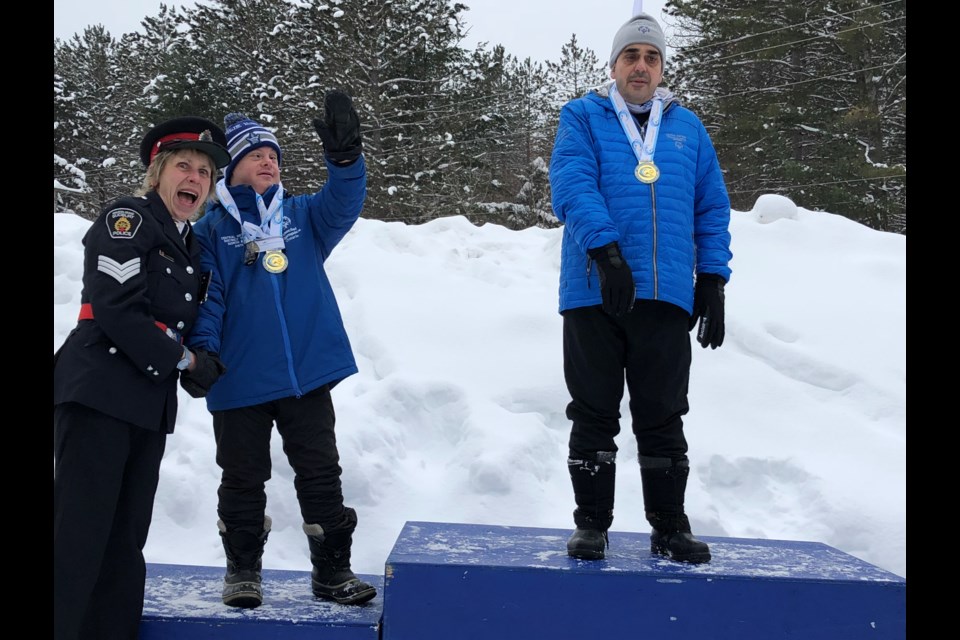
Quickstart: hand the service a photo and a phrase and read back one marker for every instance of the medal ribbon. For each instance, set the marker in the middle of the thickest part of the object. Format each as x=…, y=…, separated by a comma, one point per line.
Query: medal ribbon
x=642, y=149
x=269, y=235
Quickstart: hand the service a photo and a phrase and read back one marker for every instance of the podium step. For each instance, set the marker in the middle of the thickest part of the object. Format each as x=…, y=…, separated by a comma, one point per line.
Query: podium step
x=469, y=581
x=183, y=603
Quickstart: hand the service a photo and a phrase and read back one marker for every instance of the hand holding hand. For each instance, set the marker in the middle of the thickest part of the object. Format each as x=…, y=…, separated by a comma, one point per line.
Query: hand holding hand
x=708, y=310
x=616, y=280
x=207, y=371
x=340, y=128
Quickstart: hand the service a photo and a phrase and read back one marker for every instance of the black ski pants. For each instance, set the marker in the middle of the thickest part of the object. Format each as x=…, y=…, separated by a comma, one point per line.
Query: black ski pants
x=650, y=347
x=306, y=426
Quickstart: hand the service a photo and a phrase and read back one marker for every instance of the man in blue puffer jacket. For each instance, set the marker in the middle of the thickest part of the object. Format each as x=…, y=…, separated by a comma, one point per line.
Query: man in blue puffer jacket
x=645, y=257
x=272, y=317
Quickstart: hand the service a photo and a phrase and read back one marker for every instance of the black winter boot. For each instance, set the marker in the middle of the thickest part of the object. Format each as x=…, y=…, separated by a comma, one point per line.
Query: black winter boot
x=332, y=577
x=594, y=481
x=242, y=582
x=671, y=537
x=587, y=543
x=664, y=487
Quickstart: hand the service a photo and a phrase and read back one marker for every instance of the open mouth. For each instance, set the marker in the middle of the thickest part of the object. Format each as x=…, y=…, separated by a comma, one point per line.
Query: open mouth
x=187, y=197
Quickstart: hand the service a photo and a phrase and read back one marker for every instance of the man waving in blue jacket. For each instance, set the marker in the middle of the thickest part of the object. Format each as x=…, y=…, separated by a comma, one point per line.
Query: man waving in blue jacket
x=272, y=317
x=645, y=257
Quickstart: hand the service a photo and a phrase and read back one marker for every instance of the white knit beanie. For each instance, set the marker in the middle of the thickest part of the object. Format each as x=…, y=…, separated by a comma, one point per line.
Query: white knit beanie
x=640, y=29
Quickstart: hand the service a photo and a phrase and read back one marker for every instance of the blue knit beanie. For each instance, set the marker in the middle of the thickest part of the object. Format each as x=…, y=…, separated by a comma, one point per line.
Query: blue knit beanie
x=243, y=136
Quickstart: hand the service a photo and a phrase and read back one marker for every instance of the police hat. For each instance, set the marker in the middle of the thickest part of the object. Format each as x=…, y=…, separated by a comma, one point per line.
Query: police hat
x=188, y=132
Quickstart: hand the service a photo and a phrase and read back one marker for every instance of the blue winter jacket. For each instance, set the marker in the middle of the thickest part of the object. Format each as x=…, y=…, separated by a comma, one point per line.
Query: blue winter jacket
x=279, y=335
x=668, y=231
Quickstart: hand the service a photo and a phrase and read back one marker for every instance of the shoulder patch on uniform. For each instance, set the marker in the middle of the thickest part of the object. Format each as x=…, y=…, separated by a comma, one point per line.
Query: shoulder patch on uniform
x=123, y=224
x=119, y=272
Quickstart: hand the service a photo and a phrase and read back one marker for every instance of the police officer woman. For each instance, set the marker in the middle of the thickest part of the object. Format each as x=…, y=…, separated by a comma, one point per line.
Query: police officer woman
x=115, y=380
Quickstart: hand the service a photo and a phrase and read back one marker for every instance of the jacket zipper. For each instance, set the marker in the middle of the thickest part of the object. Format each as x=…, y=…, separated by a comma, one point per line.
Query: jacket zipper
x=653, y=208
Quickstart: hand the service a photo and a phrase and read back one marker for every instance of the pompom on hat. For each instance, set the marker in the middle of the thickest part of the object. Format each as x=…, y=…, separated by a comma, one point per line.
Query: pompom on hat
x=243, y=136
x=188, y=132
x=640, y=29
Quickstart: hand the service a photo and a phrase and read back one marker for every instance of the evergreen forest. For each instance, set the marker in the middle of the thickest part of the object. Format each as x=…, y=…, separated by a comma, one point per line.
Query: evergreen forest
x=806, y=99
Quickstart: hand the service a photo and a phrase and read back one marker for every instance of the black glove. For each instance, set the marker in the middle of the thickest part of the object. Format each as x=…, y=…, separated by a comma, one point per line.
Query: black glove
x=708, y=309
x=340, y=128
x=616, y=279
x=208, y=370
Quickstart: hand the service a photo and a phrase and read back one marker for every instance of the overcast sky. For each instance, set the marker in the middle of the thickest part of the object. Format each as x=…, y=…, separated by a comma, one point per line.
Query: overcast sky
x=531, y=28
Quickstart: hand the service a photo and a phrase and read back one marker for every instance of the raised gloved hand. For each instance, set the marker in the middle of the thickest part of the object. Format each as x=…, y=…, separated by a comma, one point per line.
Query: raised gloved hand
x=340, y=128
x=616, y=280
x=708, y=309
x=208, y=370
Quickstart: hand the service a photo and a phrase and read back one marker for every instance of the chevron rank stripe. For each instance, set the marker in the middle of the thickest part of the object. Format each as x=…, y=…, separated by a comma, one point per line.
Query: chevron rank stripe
x=119, y=272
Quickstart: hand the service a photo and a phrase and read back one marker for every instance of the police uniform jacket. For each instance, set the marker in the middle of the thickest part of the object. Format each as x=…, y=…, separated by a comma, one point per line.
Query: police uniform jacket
x=141, y=290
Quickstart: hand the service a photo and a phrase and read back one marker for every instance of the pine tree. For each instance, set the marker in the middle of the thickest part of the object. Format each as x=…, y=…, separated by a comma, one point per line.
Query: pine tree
x=68, y=179
x=532, y=142
x=869, y=84
x=790, y=93
x=174, y=77
x=483, y=93
x=578, y=71
x=399, y=59
x=234, y=57
x=90, y=136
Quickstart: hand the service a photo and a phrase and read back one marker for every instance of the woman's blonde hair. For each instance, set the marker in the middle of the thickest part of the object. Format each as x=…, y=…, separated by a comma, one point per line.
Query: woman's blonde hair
x=152, y=178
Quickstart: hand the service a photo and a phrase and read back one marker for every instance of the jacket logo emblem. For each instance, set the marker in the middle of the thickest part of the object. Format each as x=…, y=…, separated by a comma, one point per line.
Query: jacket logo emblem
x=123, y=224
x=679, y=141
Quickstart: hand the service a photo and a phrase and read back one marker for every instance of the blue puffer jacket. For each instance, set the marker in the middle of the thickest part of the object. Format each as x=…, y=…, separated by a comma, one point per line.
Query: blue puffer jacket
x=668, y=231
x=279, y=335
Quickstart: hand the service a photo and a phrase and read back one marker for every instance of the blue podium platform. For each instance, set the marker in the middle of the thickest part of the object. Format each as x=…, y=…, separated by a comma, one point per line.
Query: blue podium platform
x=183, y=603
x=463, y=581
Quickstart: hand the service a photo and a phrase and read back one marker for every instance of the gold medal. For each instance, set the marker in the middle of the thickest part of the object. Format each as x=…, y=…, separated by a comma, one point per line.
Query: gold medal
x=275, y=261
x=647, y=172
